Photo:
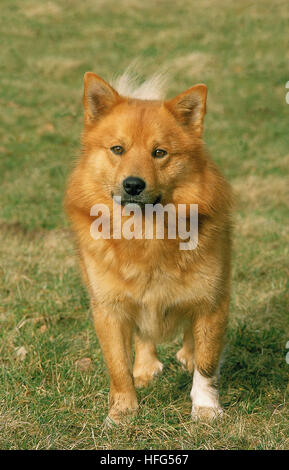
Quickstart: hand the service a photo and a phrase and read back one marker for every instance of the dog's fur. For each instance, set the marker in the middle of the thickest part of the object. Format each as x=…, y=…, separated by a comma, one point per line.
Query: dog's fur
x=150, y=289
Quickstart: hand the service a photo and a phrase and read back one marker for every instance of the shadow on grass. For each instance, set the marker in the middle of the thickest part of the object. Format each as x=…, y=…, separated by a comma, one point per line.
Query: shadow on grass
x=254, y=370
x=254, y=362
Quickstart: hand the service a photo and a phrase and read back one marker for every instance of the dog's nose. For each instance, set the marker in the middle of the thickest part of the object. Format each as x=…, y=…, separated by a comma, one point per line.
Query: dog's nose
x=133, y=185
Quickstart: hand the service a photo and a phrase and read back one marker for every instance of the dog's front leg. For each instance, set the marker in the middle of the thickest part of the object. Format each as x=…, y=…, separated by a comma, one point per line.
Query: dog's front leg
x=208, y=333
x=146, y=364
x=115, y=340
x=186, y=354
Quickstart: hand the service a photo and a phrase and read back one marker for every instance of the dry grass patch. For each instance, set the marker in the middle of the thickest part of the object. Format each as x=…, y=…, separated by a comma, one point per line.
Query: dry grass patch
x=261, y=192
x=35, y=10
x=56, y=66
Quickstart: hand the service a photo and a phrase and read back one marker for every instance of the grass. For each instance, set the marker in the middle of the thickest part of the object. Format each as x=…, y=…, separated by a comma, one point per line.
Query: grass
x=240, y=52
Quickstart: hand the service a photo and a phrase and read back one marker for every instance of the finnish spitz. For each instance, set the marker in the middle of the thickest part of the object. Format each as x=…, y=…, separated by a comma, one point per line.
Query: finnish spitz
x=145, y=150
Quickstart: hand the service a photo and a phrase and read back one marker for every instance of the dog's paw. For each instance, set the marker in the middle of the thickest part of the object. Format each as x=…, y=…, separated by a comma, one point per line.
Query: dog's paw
x=145, y=373
x=122, y=407
x=185, y=359
x=109, y=423
x=206, y=413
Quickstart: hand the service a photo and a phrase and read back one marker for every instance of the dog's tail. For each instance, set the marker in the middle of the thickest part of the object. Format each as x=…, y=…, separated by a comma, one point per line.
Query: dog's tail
x=131, y=84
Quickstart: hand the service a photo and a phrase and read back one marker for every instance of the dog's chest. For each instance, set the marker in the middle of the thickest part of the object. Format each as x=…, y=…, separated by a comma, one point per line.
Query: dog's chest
x=157, y=290
x=168, y=284
x=167, y=298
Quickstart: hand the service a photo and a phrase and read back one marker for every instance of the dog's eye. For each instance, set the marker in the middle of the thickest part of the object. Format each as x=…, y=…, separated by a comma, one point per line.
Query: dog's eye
x=117, y=149
x=159, y=153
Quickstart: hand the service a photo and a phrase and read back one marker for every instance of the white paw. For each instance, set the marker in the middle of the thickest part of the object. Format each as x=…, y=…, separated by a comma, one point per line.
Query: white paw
x=205, y=398
x=206, y=413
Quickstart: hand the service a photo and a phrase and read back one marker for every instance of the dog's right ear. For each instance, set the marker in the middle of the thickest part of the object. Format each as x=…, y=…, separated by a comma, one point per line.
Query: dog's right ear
x=98, y=98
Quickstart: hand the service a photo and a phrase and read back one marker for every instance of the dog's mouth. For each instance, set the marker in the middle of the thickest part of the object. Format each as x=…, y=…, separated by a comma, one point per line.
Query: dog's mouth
x=141, y=201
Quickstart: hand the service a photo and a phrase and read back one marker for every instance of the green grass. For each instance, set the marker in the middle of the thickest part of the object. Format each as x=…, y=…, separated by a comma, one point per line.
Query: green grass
x=240, y=51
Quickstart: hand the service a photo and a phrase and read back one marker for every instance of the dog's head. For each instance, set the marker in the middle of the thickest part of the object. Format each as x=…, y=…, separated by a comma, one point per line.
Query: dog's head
x=145, y=151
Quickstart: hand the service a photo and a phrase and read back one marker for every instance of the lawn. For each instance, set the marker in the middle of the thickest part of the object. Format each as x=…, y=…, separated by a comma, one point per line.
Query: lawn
x=48, y=398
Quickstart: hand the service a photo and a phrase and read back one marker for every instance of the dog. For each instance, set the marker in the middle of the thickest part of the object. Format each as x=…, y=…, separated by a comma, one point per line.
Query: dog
x=147, y=150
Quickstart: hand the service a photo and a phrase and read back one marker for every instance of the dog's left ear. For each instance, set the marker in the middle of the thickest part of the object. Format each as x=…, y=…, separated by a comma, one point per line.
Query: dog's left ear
x=189, y=107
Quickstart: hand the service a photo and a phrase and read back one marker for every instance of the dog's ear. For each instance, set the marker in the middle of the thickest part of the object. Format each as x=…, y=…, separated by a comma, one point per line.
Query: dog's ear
x=98, y=97
x=189, y=107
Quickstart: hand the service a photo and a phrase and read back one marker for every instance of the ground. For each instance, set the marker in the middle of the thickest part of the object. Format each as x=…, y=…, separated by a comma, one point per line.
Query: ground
x=53, y=385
